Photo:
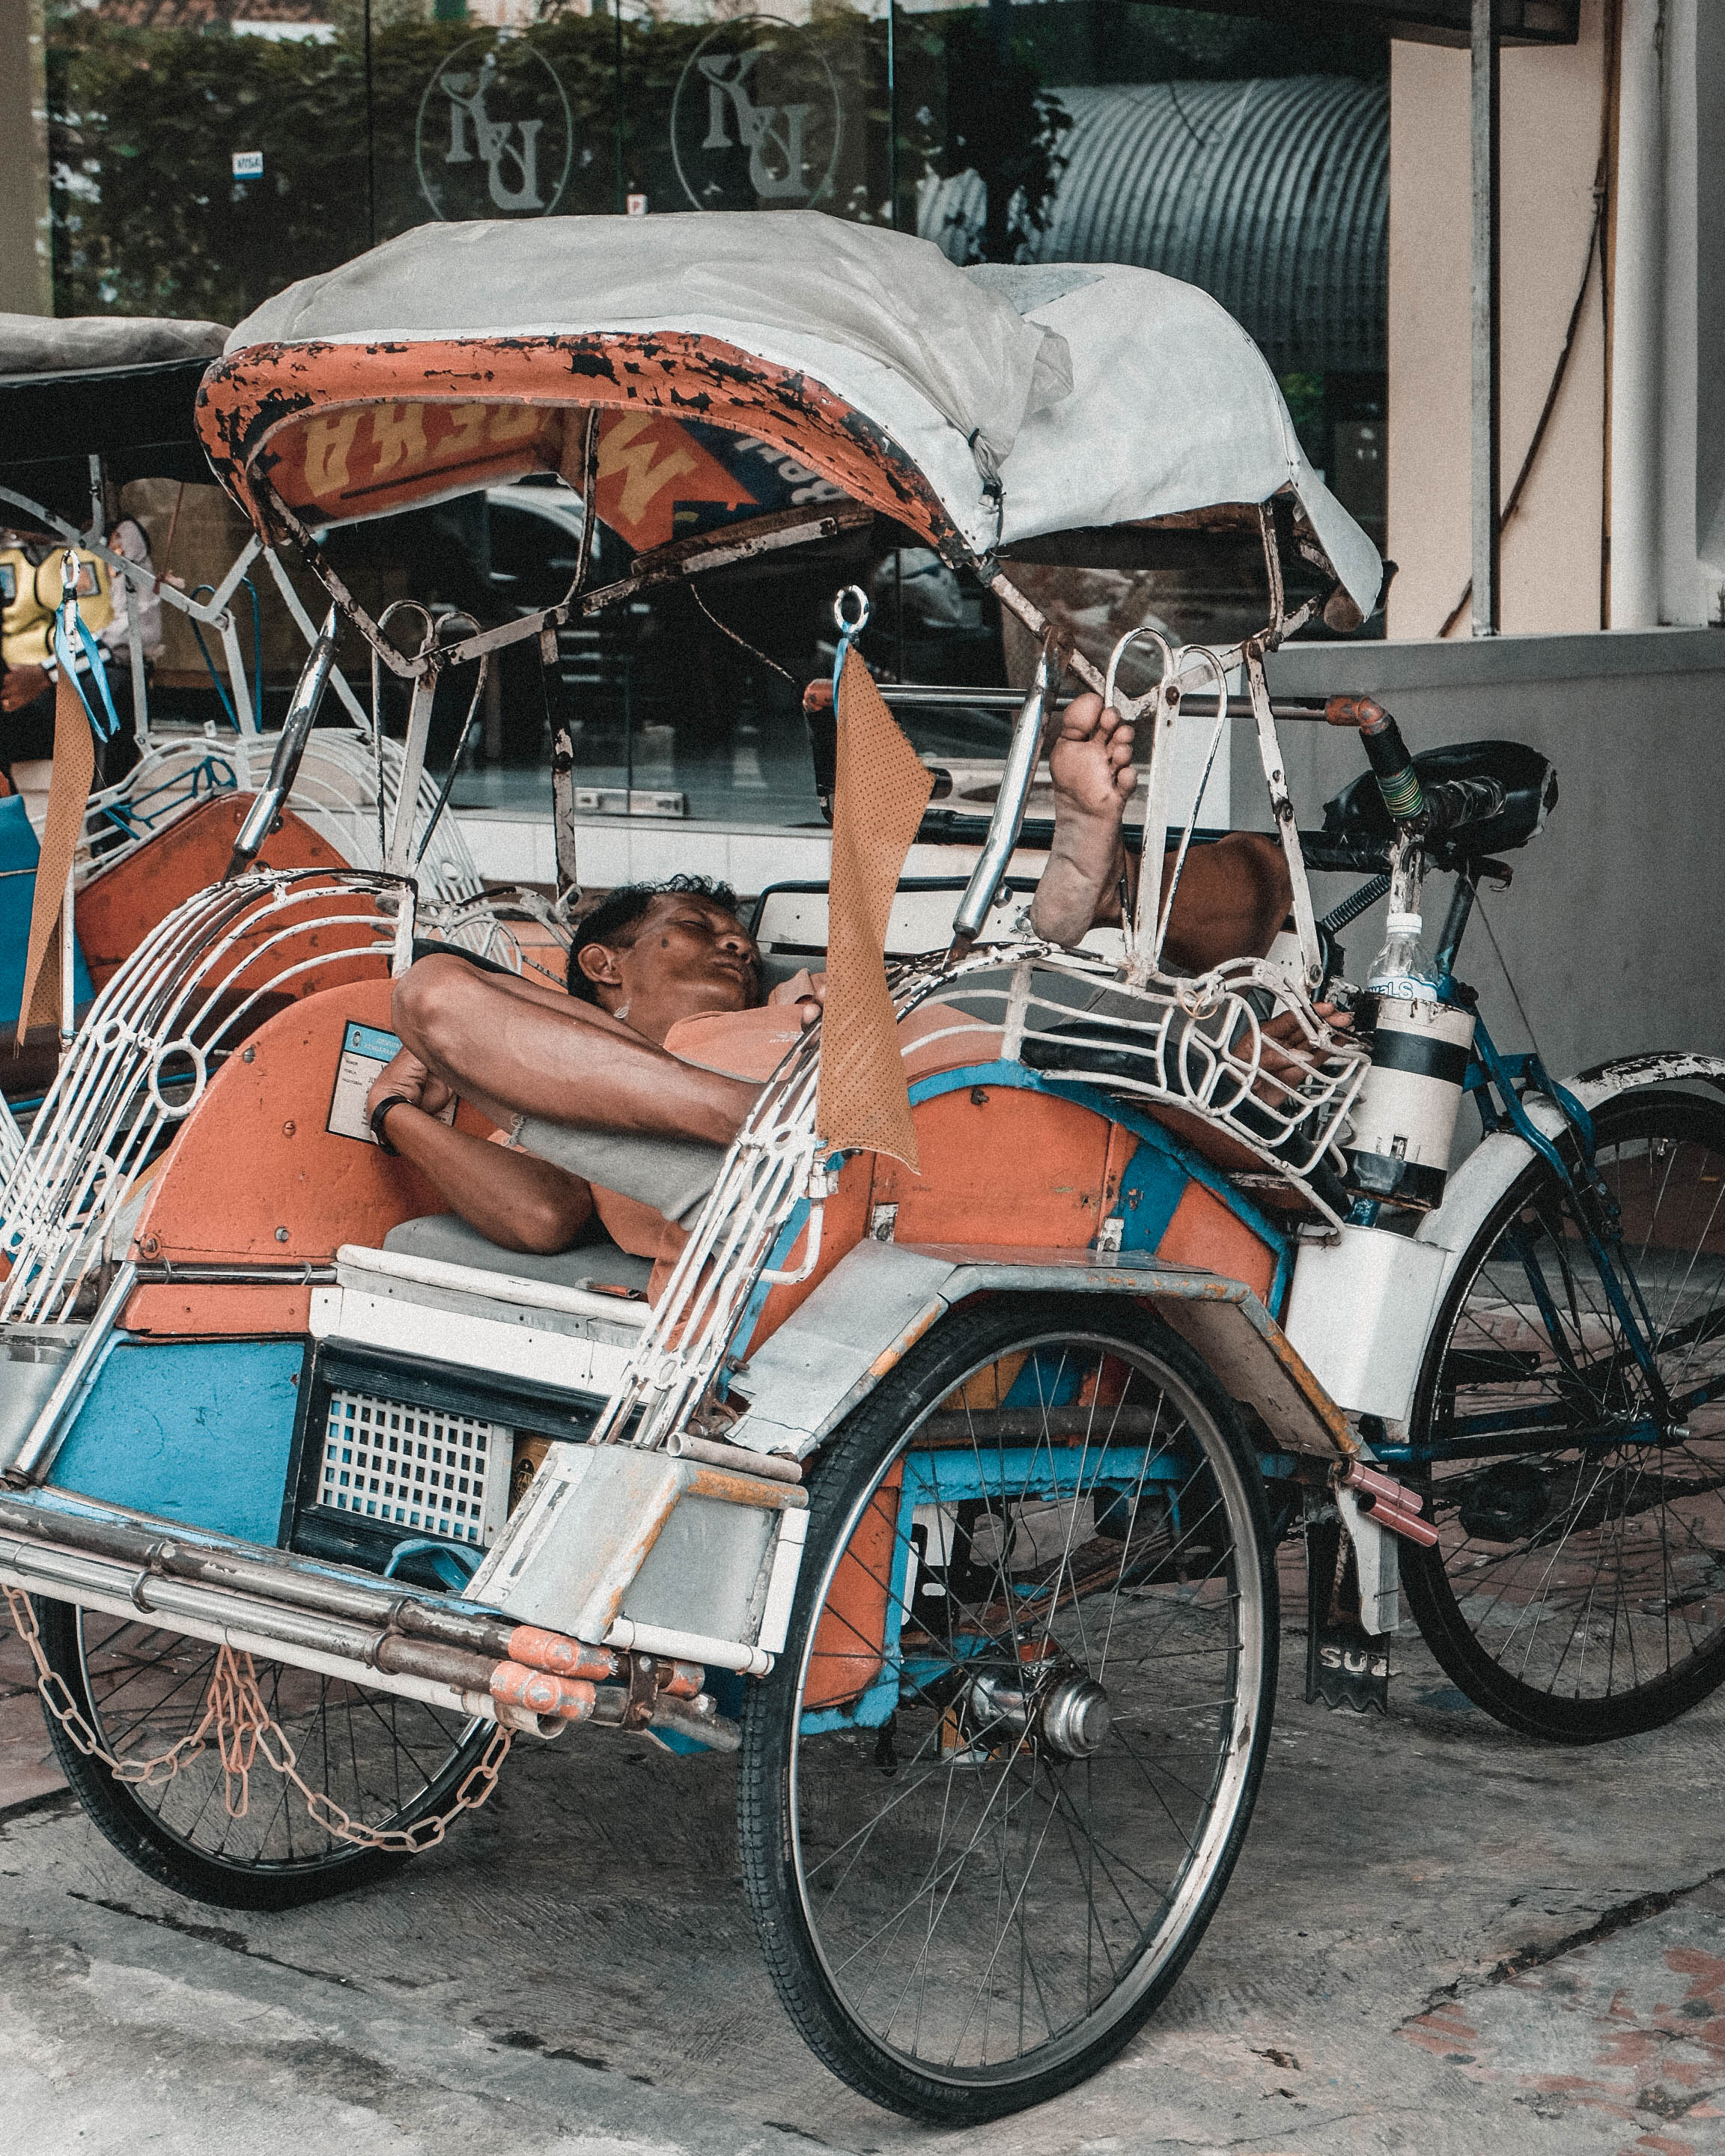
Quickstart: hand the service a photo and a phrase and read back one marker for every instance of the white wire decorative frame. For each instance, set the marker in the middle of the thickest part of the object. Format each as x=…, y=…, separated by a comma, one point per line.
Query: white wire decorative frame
x=153, y=1037
x=336, y=791
x=1198, y=1046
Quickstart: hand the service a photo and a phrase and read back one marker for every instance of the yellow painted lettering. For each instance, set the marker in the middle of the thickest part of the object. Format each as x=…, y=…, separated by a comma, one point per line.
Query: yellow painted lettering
x=643, y=472
x=399, y=433
x=329, y=441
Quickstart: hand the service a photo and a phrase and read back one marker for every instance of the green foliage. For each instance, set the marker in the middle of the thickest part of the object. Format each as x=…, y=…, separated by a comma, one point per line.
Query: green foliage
x=148, y=218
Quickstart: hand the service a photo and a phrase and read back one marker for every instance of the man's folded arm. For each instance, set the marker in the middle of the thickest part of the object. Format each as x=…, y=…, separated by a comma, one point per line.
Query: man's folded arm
x=514, y=1049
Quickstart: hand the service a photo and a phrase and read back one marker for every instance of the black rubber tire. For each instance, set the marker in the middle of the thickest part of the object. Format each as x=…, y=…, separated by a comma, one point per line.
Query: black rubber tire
x=1647, y=1515
x=854, y=1467
x=193, y=1861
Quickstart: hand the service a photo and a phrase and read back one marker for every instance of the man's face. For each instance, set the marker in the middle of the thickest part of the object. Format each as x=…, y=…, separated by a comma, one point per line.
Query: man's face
x=689, y=956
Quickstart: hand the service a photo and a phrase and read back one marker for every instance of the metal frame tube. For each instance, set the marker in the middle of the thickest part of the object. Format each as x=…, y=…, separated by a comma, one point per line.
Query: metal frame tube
x=399, y=859
x=35, y=1455
x=289, y=748
x=1017, y=776
x=242, y=711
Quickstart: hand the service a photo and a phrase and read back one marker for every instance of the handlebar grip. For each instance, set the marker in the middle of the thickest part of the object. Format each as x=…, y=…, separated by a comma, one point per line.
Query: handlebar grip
x=1387, y=753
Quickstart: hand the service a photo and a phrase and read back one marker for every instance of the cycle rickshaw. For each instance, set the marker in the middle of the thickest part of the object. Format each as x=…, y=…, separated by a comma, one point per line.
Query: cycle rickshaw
x=946, y=1498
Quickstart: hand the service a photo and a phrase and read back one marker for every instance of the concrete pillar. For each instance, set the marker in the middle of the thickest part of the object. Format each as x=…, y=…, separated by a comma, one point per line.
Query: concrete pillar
x=1707, y=206
x=1680, y=593
x=26, y=285
x=1638, y=319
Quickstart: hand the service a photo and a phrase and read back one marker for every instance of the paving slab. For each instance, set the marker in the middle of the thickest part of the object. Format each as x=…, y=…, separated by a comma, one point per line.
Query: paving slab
x=28, y=1769
x=1440, y=1938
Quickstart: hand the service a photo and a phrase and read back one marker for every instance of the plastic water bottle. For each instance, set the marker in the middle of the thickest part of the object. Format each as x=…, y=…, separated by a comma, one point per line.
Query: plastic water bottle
x=1403, y=1117
x=1403, y=967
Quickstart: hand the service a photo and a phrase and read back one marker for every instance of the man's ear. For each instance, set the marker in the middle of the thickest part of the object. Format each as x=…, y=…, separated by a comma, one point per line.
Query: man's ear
x=599, y=962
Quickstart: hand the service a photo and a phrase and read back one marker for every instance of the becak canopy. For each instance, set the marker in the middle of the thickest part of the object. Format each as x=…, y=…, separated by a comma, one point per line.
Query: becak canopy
x=983, y=407
x=122, y=388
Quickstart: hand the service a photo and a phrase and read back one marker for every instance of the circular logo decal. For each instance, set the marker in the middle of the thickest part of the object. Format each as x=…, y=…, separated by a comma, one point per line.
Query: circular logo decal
x=755, y=121
x=495, y=136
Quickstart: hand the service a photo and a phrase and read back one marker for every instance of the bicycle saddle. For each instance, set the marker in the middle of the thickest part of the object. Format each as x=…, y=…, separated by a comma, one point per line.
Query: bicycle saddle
x=1496, y=794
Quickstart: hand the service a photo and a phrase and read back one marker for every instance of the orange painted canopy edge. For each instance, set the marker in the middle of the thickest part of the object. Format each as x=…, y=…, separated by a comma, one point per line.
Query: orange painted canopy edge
x=257, y=407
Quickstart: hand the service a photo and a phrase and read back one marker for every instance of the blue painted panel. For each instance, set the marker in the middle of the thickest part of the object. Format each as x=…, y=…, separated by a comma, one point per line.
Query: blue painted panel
x=198, y=1431
x=18, y=895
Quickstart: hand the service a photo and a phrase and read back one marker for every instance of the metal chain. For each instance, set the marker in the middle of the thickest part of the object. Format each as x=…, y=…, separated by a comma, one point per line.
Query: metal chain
x=241, y=1727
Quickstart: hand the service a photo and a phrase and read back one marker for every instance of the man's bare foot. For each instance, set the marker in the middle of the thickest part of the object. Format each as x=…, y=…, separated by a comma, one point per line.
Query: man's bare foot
x=1090, y=760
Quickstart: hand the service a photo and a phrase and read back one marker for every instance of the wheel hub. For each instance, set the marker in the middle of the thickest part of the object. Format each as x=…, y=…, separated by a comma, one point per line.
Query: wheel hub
x=1067, y=1712
x=1077, y=1718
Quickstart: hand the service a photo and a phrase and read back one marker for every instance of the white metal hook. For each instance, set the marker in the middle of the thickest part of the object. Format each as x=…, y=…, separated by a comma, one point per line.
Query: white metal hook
x=851, y=628
x=1162, y=644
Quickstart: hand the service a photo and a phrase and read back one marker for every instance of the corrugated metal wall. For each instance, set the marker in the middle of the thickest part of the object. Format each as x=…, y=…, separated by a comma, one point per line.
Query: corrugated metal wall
x=1272, y=195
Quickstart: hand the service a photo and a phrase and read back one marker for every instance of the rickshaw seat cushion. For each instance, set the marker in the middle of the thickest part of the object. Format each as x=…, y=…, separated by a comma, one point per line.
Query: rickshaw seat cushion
x=449, y=1239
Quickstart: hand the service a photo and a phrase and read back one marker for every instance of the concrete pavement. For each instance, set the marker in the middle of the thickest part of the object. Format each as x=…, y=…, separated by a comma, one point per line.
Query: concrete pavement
x=1440, y=1938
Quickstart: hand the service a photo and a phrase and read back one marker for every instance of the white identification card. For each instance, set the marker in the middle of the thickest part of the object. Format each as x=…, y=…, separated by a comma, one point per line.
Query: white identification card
x=365, y=1051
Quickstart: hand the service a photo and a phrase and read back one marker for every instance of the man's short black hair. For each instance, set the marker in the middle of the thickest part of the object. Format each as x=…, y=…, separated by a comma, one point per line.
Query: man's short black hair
x=617, y=918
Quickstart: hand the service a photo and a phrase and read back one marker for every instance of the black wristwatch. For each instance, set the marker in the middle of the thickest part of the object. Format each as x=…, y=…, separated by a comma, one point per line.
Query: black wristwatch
x=375, y=1118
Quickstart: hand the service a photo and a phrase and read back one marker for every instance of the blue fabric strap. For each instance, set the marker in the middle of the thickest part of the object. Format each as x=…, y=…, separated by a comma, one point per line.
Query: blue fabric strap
x=105, y=726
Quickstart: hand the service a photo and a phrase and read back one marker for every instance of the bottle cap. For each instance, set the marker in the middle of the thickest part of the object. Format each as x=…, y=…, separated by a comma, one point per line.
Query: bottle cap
x=1405, y=924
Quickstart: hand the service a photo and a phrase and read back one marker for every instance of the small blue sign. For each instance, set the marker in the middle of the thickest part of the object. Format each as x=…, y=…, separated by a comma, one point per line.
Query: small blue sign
x=371, y=1040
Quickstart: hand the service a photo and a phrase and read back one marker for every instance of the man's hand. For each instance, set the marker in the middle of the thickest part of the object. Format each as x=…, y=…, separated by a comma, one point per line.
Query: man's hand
x=407, y=1077
x=1090, y=760
x=1285, y=1053
x=20, y=685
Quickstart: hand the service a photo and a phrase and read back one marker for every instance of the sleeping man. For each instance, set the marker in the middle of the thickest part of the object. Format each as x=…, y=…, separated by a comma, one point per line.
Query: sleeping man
x=612, y=1119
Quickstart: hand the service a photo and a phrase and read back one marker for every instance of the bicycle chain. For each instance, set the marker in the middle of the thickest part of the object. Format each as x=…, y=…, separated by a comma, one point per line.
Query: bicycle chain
x=243, y=1726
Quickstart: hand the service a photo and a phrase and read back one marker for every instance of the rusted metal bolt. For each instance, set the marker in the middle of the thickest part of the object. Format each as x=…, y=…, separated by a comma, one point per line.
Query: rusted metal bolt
x=287, y=1130
x=150, y=1246
x=979, y=1096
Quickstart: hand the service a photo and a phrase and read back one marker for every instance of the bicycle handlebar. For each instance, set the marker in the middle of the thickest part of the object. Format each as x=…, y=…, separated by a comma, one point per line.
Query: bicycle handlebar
x=1387, y=753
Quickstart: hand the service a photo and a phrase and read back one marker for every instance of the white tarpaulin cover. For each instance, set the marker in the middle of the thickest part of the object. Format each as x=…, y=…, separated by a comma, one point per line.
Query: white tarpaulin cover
x=1103, y=394
x=77, y=344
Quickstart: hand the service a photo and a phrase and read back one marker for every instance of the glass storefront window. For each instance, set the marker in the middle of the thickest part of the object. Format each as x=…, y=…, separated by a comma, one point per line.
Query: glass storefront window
x=206, y=152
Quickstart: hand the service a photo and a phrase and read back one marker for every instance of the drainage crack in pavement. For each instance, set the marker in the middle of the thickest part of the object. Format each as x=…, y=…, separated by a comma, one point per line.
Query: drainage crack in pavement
x=209, y=1935
x=1635, y=1911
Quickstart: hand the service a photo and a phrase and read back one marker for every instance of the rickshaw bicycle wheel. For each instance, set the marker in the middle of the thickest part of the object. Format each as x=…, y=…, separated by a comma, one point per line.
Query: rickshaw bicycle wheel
x=386, y=1761
x=1577, y=1589
x=992, y=1794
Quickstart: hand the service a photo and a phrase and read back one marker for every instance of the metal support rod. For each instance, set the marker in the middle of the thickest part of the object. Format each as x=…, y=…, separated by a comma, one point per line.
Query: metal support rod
x=1456, y=919
x=563, y=813
x=289, y=749
x=135, y=571
x=399, y=859
x=229, y=584
x=245, y=715
x=302, y=622
x=1281, y=807
x=140, y=687
x=35, y=1455
x=1486, y=338
x=1008, y=820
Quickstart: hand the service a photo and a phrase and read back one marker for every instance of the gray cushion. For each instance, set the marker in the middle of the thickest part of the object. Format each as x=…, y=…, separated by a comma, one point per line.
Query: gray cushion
x=672, y=1175
x=448, y=1238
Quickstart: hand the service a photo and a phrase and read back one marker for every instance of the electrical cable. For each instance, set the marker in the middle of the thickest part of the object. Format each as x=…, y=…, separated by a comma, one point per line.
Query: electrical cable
x=742, y=642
